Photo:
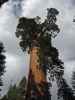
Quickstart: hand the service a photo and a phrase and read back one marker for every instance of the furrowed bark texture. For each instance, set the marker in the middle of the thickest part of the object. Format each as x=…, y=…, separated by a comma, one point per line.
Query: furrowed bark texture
x=37, y=79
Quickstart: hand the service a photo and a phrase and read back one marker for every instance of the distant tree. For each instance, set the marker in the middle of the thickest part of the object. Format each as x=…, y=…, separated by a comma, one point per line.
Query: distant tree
x=2, y=62
x=74, y=19
x=64, y=90
x=73, y=81
x=16, y=92
x=2, y=2
x=4, y=98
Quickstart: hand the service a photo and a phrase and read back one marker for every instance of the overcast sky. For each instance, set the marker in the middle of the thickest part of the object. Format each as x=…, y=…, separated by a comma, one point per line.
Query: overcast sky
x=17, y=61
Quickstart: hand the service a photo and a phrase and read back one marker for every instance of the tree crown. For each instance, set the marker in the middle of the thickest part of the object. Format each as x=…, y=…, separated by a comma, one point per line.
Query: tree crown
x=32, y=32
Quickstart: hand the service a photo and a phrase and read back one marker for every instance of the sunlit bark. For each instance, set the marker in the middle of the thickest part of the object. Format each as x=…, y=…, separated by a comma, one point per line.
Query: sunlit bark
x=36, y=75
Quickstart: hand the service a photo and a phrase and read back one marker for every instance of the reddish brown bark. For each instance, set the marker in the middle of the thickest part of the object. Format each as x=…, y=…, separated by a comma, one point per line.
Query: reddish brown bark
x=36, y=74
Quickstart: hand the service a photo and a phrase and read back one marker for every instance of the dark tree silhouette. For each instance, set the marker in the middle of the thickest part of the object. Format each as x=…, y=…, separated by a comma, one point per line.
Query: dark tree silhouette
x=73, y=81
x=57, y=71
x=2, y=2
x=55, y=68
x=73, y=19
x=2, y=62
x=64, y=90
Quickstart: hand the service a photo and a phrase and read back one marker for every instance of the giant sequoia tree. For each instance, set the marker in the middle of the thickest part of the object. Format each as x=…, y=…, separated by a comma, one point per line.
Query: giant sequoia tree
x=2, y=62
x=36, y=39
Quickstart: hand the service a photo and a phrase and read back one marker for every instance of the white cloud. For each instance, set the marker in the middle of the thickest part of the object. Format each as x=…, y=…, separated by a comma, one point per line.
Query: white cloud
x=28, y=6
x=17, y=67
x=68, y=71
x=16, y=61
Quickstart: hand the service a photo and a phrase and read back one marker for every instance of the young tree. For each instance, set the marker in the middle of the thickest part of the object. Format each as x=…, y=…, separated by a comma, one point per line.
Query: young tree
x=2, y=62
x=16, y=92
x=36, y=39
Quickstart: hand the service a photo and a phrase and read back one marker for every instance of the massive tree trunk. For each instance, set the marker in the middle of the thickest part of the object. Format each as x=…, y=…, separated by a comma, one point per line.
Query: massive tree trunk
x=37, y=79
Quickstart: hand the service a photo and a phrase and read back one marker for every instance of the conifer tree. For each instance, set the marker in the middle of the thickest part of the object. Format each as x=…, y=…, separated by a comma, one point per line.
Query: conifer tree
x=2, y=62
x=73, y=81
x=35, y=37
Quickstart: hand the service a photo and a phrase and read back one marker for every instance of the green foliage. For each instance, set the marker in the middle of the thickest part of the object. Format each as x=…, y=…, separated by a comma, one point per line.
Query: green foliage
x=35, y=33
x=26, y=29
x=16, y=92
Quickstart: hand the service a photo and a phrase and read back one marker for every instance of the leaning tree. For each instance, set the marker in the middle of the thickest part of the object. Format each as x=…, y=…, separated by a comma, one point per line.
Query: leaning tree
x=36, y=37
x=2, y=62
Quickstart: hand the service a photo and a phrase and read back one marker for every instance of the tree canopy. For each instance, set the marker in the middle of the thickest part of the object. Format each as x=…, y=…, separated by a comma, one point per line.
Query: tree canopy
x=34, y=32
